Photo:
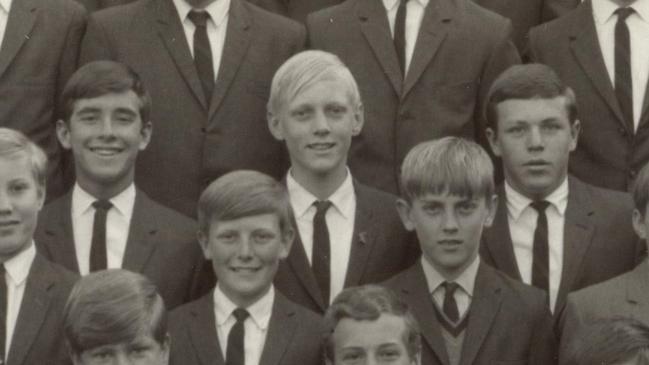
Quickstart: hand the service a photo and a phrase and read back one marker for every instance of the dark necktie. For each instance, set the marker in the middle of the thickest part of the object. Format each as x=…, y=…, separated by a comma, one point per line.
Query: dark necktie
x=623, y=78
x=203, y=52
x=4, y=297
x=400, y=35
x=450, y=305
x=540, y=260
x=234, y=354
x=321, y=249
x=98, y=259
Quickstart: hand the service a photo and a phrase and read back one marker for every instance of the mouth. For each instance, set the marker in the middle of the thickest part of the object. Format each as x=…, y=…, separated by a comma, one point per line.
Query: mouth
x=249, y=270
x=450, y=242
x=321, y=146
x=7, y=224
x=537, y=163
x=106, y=151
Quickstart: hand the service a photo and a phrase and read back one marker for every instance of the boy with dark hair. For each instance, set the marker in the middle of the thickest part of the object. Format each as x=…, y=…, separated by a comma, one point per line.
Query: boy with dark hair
x=245, y=229
x=116, y=316
x=105, y=221
x=551, y=230
x=469, y=313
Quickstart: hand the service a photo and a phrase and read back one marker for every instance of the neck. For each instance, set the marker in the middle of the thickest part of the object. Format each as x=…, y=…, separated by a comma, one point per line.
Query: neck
x=623, y=3
x=105, y=192
x=320, y=185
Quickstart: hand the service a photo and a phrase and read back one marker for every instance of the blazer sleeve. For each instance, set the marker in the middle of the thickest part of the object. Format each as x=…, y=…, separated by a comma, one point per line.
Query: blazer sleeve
x=95, y=45
x=70, y=56
x=544, y=344
x=570, y=321
x=503, y=55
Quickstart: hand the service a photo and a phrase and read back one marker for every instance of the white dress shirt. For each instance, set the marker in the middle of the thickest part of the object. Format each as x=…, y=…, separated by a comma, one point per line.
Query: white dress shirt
x=5, y=7
x=466, y=282
x=638, y=24
x=414, y=14
x=118, y=222
x=340, y=219
x=17, y=270
x=522, y=223
x=217, y=25
x=255, y=327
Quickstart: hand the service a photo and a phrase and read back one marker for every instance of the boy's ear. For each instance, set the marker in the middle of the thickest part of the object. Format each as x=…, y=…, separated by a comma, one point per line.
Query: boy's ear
x=146, y=131
x=287, y=242
x=63, y=134
x=492, y=207
x=274, y=126
x=359, y=120
x=638, y=224
x=574, y=134
x=204, y=241
x=403, y=208
x=493, y=141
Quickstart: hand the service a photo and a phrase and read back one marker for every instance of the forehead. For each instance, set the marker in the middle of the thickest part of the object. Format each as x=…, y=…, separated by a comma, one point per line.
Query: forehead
x=533, y=111
x=445, y=198
x=326, y=88
x=267, y=221
x=367, y=334
x=16, y=165
x=127, y=100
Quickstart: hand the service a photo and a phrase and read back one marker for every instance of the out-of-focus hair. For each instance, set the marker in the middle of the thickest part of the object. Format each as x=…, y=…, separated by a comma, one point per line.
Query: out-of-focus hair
x=15, y=145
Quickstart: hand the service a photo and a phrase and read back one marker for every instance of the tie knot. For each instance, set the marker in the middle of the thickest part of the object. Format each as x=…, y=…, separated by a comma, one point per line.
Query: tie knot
x=540, y=205
x=623, y=13
x=450, y=287
x=199, y=18
x=240, y=314
x=102, y=204
x=321, y=206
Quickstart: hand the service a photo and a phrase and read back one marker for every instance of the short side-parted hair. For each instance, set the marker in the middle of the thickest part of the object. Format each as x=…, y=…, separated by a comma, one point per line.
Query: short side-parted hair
x=304, y=70
x=525, y=82
x=450, y=165
x=113, y=306
x=100, y=78
x=611, y=341
x=640, y=190
x=368, y=303
x=14, y=145
x=244, y=193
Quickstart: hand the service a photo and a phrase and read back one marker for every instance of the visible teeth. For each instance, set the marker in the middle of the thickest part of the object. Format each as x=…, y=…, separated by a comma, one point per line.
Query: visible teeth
x=321, y=146
x=105, y=151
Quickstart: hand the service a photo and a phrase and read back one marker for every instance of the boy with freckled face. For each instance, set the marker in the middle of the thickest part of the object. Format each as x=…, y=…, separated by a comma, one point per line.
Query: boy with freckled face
x=469, y=313
x=245, y=229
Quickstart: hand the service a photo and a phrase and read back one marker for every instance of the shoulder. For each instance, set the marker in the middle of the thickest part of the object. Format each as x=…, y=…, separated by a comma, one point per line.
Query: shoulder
x=123, y=14
x=609, y=289
x=332, y=14
x=477, y=17
x=375, y=198
x=605, y=200
x=167, y=218
x=404, y=278
x=182, y=313
x=517, y=294
x=62, y=279
x=271, y=22
x=63, y=9
x=54, y=209
x=556, y=28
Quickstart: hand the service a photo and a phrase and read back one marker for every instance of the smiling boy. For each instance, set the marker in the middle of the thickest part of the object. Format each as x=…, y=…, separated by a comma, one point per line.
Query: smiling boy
x=469, y=313
x=245, y=229
x=106, y=221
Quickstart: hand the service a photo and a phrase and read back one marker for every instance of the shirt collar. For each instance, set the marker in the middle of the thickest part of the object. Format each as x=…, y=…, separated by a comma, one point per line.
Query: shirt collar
x=604, y=10
x=18, y=266
x=218, y=10
x=5, y=5
x=390, y=4
x=342, y=199
x=122, y=202
x=466, y=280
x=260, y=311
x=517, y=202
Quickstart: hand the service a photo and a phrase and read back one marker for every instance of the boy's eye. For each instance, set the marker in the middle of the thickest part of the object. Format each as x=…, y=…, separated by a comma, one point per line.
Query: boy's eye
x=19, y=187
x=227, y=236
x=263, y=237
x=467, y=207
x=301, y=113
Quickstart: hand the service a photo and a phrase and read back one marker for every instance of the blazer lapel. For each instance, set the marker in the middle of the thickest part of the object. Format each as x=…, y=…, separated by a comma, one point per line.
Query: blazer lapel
x=171, y=31
x=299, y=262
x=498, y=241
x=484, y=309
x=60, y=244
x=237, y=41
x=141, y=237
x=578, y=235
x=374, y=24
x=18, y=31
x=433, y=30
x=280, y=331
x=33, y=310
x=202, y=331
x=585, y=48
x=363, y=239
x=421, y=303
x=644, y=115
